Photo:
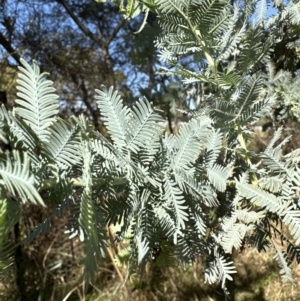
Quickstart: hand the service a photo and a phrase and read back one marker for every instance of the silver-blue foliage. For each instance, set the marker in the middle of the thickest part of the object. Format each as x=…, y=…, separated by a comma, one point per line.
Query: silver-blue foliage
x=199, y=192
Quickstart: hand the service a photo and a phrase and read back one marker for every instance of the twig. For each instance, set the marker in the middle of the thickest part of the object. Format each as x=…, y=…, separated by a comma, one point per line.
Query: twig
x=70, y=292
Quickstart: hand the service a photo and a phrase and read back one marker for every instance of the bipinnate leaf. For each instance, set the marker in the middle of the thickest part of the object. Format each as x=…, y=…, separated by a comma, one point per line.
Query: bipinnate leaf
x=17, y=178
x=36, y=99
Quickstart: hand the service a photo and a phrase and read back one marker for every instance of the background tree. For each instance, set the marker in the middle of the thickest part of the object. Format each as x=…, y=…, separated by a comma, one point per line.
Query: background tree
x=65, y=36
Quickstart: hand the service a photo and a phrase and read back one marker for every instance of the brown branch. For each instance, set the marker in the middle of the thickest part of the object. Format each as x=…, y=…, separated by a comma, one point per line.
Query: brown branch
x=169, y=121
x=88, y=105
x=8, y=47
x=115, y=32
x=108, y=66
x=104, y=45
x=85, y=97
x=81, y=26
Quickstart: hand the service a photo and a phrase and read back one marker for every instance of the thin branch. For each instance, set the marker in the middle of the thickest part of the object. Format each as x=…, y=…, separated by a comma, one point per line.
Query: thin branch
x=81, y=26
x=8, y=47
x=242, y=143
x=115, y=32
x=197, y=34
x=88, y=105
x=169, y=121
x=109, y=66
x=103, y=44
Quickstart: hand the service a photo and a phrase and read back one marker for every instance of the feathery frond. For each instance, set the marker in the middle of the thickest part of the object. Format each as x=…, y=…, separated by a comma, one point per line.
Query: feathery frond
x=38, y=103
x=115, y=115
x=17, y=179
x=285, y=272
x=63, y=145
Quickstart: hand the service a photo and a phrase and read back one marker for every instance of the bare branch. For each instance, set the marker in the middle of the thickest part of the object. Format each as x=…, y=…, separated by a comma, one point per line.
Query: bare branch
x=93, y=112
x=8, y=47
x=81, y=26
x=115, y=32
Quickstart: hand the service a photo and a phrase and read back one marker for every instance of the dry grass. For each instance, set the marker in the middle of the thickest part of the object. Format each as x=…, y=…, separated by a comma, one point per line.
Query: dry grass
x=257, y=279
